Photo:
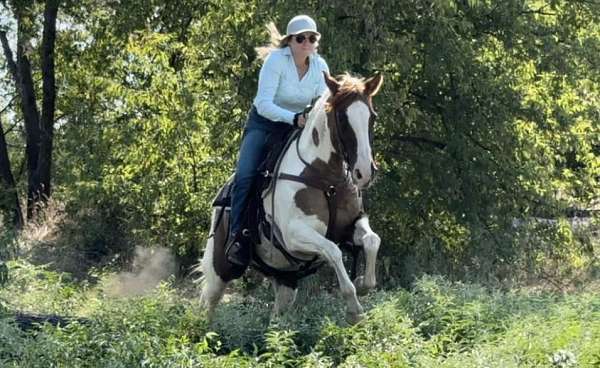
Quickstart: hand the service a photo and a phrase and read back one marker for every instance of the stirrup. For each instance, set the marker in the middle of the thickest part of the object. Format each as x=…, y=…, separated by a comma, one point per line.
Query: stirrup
x=238, y=252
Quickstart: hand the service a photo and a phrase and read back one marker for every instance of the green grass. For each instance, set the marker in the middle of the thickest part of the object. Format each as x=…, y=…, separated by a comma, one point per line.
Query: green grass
x=435, y=324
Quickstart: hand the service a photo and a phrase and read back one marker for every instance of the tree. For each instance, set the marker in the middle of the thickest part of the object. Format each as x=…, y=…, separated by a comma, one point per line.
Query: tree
x=39, y=128
x=488, y=114
x=9, y=200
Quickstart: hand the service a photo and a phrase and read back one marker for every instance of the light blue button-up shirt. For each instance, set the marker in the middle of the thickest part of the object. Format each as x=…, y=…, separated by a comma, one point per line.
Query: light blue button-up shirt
x=281, y=94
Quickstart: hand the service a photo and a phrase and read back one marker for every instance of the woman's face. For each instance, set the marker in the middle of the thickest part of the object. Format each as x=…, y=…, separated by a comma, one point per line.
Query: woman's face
x=303, y=44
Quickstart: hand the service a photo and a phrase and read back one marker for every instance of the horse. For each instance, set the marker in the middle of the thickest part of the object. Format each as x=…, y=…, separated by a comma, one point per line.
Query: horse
x=314, y=201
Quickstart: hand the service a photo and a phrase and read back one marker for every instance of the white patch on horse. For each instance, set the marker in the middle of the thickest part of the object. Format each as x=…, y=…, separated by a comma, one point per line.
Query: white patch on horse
x=358, y=116
x=294, y=165
x=307, y=148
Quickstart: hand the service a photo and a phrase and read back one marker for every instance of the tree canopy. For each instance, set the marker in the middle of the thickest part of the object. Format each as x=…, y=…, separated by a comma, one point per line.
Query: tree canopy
x=489, y=113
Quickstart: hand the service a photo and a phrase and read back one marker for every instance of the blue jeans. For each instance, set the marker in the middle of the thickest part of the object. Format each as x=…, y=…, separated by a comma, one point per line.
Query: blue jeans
x=252, y=154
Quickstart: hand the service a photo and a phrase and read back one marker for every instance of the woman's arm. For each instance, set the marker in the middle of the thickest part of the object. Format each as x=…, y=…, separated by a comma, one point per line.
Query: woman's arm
x=268, y=81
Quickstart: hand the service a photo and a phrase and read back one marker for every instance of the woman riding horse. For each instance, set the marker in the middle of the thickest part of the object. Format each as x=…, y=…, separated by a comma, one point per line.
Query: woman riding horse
x=314, y=203
x=290, y=78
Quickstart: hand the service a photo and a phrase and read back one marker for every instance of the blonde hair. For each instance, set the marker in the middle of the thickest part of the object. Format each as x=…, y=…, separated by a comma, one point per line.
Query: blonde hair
x=277, y=42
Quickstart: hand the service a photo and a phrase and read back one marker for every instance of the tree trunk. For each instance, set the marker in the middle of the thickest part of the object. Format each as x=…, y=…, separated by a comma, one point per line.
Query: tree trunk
x=7, y=183
x=21, y=73
x=44, y=170
x=31, y=116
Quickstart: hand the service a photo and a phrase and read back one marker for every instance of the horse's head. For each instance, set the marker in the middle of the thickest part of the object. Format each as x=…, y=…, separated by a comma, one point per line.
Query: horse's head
x=350, y=117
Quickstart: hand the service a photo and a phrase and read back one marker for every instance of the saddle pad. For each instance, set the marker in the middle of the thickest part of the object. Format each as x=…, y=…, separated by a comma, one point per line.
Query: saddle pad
x=271, y=164
x=223, y=199
x=275, y=145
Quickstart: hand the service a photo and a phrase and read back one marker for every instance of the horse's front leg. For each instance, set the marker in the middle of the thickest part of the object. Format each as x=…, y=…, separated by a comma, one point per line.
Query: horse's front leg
x=304, y=239
x=284, y=297
x=365, y=236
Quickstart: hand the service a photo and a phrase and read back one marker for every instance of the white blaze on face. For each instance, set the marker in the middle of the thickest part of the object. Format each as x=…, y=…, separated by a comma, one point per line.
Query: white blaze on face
x=358, y=116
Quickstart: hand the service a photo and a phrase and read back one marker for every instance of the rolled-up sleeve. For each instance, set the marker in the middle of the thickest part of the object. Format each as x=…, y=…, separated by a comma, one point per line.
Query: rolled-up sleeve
x=268, y=81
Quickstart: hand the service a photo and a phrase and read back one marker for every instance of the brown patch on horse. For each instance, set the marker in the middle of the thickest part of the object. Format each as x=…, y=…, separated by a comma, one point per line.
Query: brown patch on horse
x=315, y=137
x=312, y=201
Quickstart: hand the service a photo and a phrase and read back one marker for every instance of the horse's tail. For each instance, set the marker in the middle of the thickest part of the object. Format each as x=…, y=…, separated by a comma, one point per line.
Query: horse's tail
x=206, y=264
x=202, y=267
x=212, y=284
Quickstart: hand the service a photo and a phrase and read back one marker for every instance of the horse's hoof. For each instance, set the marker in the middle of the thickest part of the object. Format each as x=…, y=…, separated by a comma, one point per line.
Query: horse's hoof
x=360, y=285
x=354, y=318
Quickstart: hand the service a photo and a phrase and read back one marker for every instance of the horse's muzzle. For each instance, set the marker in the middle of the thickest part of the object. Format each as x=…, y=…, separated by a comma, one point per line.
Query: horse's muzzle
x=362, y=180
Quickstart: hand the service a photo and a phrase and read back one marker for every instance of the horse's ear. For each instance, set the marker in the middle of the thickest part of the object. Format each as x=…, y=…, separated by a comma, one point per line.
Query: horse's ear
x=372, y=85
x=332, y=84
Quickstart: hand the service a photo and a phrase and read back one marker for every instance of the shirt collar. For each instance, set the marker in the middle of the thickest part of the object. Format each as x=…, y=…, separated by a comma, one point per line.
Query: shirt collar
x=288, y=51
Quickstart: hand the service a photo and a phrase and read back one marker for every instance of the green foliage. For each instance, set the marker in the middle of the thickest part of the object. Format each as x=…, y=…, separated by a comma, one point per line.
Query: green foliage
x=484, y=117
x=7, y=251
x=281, y=349
x=160, y=115
x=455, y=316
x=387, y=333
x=437, y=324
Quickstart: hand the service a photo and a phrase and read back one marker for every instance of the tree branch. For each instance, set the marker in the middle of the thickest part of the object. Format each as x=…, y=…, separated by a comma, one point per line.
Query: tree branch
x=13, y=126
x=539, y=11
x=10, y=103
x=8, y=55
x=421, y=140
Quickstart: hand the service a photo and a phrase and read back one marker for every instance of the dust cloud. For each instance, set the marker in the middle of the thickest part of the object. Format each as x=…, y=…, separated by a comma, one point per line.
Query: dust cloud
x=150, y=267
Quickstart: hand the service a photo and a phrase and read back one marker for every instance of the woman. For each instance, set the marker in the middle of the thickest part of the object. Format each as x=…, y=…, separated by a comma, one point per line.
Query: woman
x=290, y=78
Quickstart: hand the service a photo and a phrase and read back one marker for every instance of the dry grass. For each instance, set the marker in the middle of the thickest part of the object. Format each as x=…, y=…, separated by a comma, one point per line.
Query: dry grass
x=57, y=239
x=44, y=229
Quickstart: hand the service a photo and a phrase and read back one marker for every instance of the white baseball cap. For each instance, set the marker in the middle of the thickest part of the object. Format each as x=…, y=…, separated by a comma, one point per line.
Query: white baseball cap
x=300, y=24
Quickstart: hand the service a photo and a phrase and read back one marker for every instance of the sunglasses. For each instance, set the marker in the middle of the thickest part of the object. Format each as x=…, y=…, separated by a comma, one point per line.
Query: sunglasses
x=312, y=38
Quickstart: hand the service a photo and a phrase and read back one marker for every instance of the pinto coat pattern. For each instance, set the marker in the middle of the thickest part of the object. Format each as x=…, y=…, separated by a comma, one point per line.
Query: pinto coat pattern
x=334, y=146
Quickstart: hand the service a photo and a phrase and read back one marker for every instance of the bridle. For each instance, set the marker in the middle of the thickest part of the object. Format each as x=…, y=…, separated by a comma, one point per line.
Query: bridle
x=339, y=144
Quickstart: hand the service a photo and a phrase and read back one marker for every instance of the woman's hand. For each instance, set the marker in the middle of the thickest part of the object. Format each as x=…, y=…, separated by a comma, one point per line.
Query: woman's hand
x=301, y=121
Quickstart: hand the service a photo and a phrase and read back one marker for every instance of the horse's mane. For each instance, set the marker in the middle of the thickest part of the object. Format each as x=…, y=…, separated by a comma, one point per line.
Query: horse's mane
x=350, y=87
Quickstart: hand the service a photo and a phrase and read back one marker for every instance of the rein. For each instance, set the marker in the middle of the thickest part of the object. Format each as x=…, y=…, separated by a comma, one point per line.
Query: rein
x=341, y=146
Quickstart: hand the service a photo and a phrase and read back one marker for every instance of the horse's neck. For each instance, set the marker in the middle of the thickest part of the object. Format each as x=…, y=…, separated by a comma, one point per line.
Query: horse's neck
x=309, y=150
x=319, y=152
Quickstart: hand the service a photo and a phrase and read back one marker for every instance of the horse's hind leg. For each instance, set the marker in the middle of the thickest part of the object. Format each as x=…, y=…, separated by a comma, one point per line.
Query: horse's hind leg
x=364, y=235
x=285, y=297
